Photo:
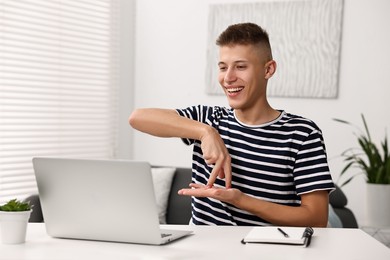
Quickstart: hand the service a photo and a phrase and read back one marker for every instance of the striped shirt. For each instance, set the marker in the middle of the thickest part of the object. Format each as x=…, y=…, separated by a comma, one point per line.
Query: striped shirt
x=277, y=162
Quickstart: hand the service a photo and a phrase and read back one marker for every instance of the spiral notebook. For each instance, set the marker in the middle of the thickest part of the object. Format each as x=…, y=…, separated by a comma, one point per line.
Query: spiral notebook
x=280, y=235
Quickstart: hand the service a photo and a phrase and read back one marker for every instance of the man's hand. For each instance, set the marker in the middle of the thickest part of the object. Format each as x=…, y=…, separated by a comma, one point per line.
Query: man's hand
x=215, y=153
x=168, y=123
x=199, y=190
x=313, y=210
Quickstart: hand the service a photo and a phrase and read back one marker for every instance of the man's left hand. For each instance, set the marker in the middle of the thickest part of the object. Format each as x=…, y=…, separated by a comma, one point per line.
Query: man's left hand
x=199, y=190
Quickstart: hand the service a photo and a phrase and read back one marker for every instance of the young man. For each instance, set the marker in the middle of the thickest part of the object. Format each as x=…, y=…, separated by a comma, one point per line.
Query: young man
x=252, y=164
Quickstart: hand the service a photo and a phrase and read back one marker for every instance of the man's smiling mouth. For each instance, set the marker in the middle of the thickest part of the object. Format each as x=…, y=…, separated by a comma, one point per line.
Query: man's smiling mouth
x=234, y=90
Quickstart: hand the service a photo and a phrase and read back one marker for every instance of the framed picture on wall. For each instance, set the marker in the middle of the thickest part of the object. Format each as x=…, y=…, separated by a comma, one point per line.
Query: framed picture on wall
x=305, y=38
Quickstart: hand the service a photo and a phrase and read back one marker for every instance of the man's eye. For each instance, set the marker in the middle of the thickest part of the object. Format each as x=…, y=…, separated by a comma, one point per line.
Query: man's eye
x=241, y=67
x=222, y=68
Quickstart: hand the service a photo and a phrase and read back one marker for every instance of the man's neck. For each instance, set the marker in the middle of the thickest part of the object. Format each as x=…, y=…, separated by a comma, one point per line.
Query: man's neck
x=257, y=116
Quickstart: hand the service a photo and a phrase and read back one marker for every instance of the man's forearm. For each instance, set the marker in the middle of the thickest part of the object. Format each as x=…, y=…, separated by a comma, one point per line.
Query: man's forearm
x=313, y=213
x=166, y=123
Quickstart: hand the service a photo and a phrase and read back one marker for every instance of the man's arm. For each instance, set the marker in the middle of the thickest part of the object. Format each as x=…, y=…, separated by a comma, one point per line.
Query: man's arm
x=313, y=210
x=168, y=123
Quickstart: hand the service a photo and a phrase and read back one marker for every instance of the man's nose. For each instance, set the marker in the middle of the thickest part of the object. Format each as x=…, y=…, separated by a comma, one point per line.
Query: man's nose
x=230, y=75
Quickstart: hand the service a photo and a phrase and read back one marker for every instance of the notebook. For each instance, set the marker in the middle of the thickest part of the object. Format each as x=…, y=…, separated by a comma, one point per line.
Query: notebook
x=280, y=235
x=107, y=200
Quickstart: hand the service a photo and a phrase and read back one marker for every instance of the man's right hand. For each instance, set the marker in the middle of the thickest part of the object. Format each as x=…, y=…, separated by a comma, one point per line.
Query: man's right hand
x=216, y=154
x=167, y=123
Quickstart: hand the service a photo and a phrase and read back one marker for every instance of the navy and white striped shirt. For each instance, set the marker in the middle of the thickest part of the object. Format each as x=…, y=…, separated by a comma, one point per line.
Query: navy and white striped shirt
x=277, y=162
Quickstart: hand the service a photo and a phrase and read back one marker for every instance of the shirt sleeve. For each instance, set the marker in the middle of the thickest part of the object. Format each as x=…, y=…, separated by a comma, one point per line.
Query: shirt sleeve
x=196, y=113
x=311, y=170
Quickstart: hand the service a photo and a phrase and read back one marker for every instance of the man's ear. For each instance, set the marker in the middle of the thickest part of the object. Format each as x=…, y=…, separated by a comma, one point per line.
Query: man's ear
x=270, y=68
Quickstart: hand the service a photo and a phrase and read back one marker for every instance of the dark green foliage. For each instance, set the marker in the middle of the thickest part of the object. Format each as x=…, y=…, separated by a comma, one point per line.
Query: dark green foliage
x=372, y=161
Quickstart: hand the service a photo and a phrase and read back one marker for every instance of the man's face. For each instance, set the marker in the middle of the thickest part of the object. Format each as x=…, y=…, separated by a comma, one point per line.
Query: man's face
x=242, y=75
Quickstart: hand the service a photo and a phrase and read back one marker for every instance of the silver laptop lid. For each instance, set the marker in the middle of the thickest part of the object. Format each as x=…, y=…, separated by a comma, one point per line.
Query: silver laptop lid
x=107, y=200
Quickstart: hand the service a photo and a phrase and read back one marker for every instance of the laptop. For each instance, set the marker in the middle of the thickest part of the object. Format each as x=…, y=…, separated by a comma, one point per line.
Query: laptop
x=106, y=200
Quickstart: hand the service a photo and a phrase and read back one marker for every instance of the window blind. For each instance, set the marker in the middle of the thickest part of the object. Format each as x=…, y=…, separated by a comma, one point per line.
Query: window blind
x=58, y=85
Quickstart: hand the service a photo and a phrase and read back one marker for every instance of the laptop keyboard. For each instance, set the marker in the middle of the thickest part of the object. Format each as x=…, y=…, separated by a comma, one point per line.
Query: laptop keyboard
x=165, y=235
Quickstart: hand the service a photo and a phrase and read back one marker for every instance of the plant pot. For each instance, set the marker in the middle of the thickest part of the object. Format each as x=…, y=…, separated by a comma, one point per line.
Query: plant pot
x=377, y=205
x=13, y=226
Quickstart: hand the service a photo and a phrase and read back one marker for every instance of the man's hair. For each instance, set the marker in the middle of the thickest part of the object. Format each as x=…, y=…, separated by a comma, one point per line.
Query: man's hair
x=245, y=34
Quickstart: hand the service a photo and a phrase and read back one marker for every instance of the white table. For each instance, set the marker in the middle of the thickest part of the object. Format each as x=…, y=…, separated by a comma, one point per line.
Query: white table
x=382, y=234
x=206, y=243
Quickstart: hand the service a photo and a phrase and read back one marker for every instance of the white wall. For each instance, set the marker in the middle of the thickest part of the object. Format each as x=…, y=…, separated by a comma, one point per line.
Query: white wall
x=170, y=62
x=126, y=97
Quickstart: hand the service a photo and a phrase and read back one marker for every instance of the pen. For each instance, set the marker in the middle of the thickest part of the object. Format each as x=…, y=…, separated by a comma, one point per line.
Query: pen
x=284, y=233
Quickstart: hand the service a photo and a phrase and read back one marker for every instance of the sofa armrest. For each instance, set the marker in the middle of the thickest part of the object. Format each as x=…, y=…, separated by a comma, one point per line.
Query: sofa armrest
x=179, y=207
x=339, y=202
x=36, y=214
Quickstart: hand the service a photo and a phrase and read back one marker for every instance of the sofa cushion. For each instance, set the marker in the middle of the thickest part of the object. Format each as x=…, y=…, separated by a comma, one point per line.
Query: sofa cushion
x=162, y=182
x=334, y=220
x=179, y=206
x=337, y=198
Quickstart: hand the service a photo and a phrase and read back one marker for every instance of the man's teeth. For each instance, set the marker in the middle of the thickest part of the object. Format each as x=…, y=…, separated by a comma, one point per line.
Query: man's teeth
x=231, y=90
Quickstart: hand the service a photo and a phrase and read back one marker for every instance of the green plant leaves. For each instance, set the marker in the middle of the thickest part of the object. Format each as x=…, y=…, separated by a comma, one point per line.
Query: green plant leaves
x=372, y=161
x=15, y=205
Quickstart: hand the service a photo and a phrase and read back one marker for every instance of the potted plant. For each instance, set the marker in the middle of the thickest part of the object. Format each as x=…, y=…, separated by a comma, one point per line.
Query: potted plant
x=14, y=217
x=374, y=163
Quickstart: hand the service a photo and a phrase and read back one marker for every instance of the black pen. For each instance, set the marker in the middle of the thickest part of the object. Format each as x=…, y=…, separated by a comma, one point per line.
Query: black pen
x=284, y=233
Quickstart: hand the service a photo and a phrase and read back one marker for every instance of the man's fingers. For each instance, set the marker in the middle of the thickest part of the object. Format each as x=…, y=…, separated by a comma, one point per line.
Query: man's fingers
x=223, y=173
x=228, y=180
x=214, y=173
x=209, y=162
x=196, y=185
x=228, y=174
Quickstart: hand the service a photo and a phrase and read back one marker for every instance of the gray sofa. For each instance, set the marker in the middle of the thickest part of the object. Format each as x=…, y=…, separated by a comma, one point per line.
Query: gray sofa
x=179, y=207
x=339, y=202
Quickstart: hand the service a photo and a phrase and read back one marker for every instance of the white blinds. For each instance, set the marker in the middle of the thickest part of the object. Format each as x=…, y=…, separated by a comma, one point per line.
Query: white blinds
x=58, y=84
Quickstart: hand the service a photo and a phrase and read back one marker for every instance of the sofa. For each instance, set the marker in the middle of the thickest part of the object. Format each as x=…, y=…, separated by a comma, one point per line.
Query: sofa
x=338, y=202
x=178, y=208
